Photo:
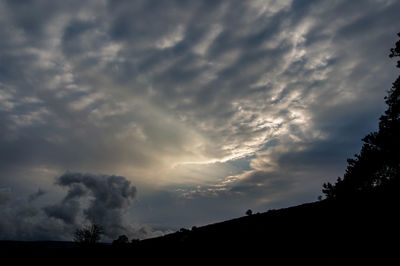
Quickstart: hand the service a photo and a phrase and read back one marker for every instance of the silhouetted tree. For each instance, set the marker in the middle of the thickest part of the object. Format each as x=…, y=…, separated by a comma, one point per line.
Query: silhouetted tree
x=377, y=166
x=121, y=240
x=89, y=235
x=249, y=212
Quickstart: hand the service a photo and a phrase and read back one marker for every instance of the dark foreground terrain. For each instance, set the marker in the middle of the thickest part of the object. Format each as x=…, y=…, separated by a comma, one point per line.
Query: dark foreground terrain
x=328, y=232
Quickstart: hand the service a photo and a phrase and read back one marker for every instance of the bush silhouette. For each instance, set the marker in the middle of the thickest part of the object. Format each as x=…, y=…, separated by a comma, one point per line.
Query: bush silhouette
x=89, y=235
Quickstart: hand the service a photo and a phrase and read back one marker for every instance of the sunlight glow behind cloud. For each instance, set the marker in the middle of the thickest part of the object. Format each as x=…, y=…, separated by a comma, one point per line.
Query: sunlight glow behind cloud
x=243, y=102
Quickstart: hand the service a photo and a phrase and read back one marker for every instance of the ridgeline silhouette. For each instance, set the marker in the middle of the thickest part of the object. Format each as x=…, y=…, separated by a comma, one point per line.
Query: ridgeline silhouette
x=357, y=223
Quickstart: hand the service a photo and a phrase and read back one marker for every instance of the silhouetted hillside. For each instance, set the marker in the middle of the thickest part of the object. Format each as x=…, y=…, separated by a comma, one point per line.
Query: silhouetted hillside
x=327, y=232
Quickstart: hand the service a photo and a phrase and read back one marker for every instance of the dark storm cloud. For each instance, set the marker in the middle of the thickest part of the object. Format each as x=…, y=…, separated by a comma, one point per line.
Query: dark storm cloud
x=112, y=195
x=66, y=211
x=4, y=196
x=101, y=199
x=176, y=92
x=36, y=195
x=22, y=219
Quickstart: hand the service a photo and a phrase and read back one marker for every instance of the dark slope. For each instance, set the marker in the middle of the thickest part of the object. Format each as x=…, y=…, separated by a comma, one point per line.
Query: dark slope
x=362, y=229
x=328, y=232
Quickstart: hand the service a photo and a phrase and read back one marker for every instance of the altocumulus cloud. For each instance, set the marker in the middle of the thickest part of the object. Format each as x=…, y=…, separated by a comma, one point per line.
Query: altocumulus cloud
x=228, y=104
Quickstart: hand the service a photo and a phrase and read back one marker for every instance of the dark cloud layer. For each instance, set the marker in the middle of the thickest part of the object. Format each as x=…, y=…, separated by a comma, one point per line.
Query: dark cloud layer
x=229, y=104
x=100, y=199
x=22, y=219
x=112, y=196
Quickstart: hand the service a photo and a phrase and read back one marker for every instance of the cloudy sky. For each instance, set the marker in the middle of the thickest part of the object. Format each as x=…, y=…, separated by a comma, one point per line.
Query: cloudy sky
x=148, y=116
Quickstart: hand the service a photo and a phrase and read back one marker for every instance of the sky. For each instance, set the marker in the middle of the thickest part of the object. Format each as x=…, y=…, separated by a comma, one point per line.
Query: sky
x=147, y=116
